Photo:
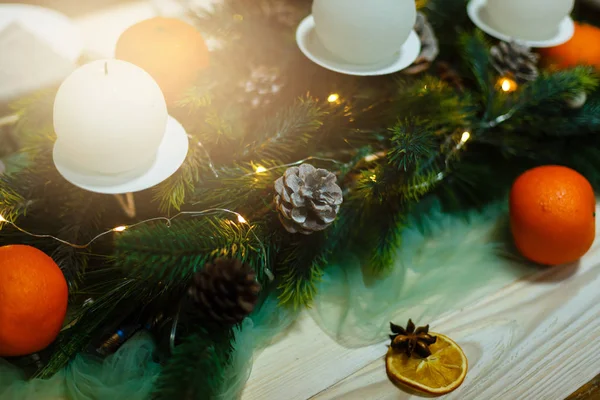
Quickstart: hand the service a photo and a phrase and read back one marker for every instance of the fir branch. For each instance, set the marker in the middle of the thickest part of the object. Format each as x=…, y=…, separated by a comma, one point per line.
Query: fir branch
x=81, y=216
x=559, y=86
x=240, y=187
x=287, y=134
x=12, y=203
x=195, y=99
x=197, y=367
x=300, y=269
x=173, y=193
x=34, y=127
x=421, y=184
x=476, y=55
x=386, y=234
x=172, y=254
x=429, y=97
x=411, y=141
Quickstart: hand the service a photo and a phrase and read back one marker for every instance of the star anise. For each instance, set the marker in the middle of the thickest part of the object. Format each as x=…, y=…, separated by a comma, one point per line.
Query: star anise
x=411, y=340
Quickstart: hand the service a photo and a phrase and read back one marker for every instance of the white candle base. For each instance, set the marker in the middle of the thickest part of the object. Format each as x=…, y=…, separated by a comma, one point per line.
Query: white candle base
x=313, y=49
x=479, y=15
x=170, y=156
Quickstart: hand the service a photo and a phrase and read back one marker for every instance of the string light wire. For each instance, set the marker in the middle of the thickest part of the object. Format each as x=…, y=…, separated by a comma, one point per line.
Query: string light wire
x=261, y=170
x=168, y=221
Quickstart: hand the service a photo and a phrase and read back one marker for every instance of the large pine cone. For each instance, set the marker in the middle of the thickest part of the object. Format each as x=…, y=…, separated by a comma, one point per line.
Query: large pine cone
x=515, y=60
x=308, y=199
x=225, y=291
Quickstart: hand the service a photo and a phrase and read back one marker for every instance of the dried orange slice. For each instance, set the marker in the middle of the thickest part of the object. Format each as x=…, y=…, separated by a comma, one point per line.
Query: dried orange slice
x=440, y=373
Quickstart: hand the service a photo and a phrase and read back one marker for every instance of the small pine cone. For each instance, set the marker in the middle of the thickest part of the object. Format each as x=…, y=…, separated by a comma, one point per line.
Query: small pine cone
x=429, y=46
x=308, y=199
x=225, y=291
x=515, y=60
x=261, y=86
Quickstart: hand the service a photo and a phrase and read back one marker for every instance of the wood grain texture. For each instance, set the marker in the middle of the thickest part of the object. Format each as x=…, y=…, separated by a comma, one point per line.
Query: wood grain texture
x=538, y=339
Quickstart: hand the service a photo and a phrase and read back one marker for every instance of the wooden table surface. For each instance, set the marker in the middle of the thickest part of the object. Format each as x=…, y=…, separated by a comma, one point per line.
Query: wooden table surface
x=538, y=338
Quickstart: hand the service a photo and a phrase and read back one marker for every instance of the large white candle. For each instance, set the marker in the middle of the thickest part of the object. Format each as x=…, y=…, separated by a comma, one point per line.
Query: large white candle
x=110, y=117
x=361, y=31
x=528, y=19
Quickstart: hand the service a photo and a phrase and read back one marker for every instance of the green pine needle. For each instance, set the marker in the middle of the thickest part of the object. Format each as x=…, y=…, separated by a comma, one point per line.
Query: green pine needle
x=412, y=141
x=291, y=128
x=172, y=254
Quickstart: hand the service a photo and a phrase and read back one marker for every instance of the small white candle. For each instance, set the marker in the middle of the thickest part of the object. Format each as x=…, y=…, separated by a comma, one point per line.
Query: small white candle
x=528, y=19
x=364, y=32
x=110, y=117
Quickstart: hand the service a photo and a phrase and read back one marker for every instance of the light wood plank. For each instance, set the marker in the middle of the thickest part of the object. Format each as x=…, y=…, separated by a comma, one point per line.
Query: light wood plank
x=538, y=338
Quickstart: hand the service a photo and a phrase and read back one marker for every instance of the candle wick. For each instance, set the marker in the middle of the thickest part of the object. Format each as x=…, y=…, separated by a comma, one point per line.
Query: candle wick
x=106, y=68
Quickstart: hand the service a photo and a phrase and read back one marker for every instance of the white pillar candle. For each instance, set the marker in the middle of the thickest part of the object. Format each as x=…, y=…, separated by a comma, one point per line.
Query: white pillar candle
x=110, y=117
x=528, y=19
x=361, y=31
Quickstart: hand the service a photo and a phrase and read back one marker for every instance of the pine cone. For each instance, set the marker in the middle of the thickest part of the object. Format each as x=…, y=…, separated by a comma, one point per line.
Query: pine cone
x=308, y=199
x=225, y=291
x=429, y=46
x=261, y=86
x=515, y=60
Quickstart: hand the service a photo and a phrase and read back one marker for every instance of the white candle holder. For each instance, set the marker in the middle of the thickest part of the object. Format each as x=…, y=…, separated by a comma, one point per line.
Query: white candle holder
x=312, y=47
x=486, y=19
x=170, y=156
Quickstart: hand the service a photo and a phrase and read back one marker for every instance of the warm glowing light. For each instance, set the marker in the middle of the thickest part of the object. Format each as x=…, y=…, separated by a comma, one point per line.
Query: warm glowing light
x=2, y=219
x=465, y=136
x=259, y=168
x=242, y=220
x=507, y=85
x=120, y=228
x=333, y=97
x=373, y=178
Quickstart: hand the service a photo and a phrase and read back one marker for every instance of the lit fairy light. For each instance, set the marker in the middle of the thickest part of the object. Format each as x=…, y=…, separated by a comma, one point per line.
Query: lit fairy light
x=373, y=178
x=333, y=97
x=508, y=85
x=2, y=219
x=241, y=219
x=259, y=169
x=465, y=136
x=121, y=228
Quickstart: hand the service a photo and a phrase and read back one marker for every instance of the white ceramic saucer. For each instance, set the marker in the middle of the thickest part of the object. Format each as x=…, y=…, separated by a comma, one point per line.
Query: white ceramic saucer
x=480, y=17
x=312, y=48
x=170, y=156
